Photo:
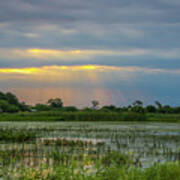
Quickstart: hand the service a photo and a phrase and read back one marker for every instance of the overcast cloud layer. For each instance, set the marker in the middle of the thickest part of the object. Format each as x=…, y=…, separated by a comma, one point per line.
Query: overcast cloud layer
x=143, y=35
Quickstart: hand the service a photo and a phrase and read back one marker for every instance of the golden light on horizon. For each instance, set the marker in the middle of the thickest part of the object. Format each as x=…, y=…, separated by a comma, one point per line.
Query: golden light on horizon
x=42, y=51
x=87, y=68
x=46, y=53
x=42, y=69
x=53, y=74
x=19, y=70
x=76, y=51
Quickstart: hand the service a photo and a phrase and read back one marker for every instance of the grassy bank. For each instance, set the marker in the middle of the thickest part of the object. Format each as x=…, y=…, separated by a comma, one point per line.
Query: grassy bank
x=89, y=116
x=163, y=117
x=73, y=116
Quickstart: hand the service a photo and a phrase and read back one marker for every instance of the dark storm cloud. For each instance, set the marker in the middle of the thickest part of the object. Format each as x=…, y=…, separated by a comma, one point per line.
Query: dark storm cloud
x=90, y=24
x=103, y=11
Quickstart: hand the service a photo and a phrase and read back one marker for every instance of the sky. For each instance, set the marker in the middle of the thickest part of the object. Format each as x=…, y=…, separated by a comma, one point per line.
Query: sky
x=113, y=51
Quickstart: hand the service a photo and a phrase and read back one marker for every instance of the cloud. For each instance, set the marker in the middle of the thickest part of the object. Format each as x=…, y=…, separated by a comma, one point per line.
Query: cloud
x=112, y=44
x=84, y=10
x=87, y=68
x=82, y=55
x=64, y=54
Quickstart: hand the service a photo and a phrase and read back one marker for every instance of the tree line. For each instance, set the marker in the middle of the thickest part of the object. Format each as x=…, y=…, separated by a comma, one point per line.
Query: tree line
x=10, y=103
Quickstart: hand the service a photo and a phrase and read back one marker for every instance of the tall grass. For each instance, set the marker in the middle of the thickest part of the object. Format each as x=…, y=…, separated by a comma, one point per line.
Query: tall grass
x=73, y=116
x=16, y=135
x=163, y=117
x=69, y=153
x=52, y=116
x=168, y=171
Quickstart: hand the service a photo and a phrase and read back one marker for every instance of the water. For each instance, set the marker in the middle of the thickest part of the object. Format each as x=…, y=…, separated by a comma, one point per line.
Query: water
x=150, y=142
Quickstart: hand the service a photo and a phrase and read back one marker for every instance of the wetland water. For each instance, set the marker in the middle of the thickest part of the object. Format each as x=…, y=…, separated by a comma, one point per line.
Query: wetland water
x=148, y=142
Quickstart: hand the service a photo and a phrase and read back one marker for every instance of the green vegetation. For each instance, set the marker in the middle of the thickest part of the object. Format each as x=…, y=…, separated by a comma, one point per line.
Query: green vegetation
x=9, y=103
x=115, y=143
x=12, y=110
x=18, y=135
x=157, y=172
x=52, y=116
x=73, y=116
x=111, y=166
x=89, y=150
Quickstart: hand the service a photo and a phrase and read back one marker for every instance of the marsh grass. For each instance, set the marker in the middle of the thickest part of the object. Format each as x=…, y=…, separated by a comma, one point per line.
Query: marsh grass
x=73, y=116
x=16, y=135
x=53, y=116
x=67, y=151
x=73, y=171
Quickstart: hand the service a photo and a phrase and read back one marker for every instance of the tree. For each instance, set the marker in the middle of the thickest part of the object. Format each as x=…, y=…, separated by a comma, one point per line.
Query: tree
x=24, y=107
x=10, y=103
x=137, y=103
x=95, y=104
x=166, y=109
x=55, y=103
x=151, y=108
x=137, y=107
x=12, y=99
x=158, y=104
x=42, y=107
x=6, y=107
x=86, y=109
x=70, y=109
x=109, y=108
x=2, y=96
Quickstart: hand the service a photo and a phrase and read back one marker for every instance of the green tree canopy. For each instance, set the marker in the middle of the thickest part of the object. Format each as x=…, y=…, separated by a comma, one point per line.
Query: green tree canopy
x=6, y=107
x=55, y=103
x=95, y=104
x=138, y=103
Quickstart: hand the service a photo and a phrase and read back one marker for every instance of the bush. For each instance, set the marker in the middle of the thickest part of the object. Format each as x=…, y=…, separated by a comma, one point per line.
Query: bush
x=16, y=135
x=6, y=107
x=74, y=116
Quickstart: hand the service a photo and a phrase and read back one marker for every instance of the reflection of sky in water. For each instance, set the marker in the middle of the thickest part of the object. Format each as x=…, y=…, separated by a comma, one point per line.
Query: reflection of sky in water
x=126, y=137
